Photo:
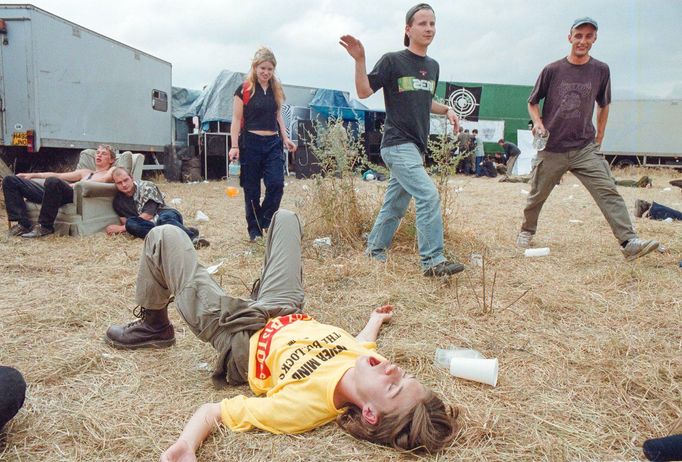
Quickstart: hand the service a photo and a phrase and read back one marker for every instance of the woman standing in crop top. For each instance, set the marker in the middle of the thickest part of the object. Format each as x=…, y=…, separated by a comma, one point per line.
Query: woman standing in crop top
x=258, y=124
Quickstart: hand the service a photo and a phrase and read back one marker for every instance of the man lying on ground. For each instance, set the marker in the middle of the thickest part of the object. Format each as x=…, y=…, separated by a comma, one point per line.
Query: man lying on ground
x=655, y=211
x=56, y=191
x=311, y=373
x=141, y=207
x=643, y=182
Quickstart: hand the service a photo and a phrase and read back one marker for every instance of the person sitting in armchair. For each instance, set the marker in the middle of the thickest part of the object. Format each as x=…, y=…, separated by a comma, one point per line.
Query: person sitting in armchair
x=55, y=192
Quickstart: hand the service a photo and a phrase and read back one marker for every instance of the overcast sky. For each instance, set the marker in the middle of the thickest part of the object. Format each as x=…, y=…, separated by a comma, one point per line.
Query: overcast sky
x=489, y=41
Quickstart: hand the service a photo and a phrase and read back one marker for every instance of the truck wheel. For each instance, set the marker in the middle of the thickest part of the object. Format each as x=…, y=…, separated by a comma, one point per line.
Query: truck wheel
x=625, y=163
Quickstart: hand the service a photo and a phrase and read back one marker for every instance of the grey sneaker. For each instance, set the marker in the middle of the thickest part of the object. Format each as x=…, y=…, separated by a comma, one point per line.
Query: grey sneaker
x=637, y=247
x=641, y=207
x=523, y=239
x=17, y=230
x=38, y=231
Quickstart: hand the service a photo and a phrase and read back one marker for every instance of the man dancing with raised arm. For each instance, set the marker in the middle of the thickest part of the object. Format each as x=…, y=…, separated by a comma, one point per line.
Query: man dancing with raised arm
x=408, y=78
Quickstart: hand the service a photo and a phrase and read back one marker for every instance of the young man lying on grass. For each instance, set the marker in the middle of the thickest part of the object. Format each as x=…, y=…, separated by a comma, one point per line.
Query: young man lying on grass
x=310, y=373
x=313, y=373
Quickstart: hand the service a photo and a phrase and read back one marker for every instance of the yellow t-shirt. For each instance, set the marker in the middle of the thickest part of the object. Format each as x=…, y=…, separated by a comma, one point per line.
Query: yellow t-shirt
x=297, y=362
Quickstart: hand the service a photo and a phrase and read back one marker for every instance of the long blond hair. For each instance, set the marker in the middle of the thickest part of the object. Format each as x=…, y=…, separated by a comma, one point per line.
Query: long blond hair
x=263, y=55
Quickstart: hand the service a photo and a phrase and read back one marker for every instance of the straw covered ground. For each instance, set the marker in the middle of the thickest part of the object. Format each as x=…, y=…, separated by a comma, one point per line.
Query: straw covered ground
x=590, y=347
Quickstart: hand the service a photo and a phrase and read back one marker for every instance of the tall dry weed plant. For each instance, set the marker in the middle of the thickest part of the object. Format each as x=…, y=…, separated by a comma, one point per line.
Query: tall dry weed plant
x=335, y=206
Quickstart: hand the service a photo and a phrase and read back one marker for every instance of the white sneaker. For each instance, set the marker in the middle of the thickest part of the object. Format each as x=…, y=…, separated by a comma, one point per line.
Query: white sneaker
x=523, y=239
x=637, y=247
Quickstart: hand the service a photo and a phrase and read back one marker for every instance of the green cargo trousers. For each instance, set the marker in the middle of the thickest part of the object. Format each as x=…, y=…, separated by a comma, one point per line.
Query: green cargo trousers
x=593, y=172
x=169, y=266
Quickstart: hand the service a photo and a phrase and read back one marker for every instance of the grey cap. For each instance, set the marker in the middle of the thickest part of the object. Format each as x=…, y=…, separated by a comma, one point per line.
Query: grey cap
x=410, y=13
x=586, y=20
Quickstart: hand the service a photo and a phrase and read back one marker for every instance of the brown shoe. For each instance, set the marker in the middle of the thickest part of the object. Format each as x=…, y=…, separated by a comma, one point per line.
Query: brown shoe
x=153, y=329
x=677, y=183
x=17, y=230
x=641, y=207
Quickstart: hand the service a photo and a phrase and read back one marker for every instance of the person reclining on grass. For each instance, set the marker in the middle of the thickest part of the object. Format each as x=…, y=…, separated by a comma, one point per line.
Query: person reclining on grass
x=141, y=207
x=57, y=191
x=311, y=373
x=655, y=211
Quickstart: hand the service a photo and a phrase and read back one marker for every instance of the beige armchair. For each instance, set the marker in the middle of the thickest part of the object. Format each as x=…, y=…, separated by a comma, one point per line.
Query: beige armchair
x=92, y=208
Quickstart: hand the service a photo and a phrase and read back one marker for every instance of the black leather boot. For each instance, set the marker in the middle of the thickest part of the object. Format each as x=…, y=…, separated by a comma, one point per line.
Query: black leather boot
x=153, y=329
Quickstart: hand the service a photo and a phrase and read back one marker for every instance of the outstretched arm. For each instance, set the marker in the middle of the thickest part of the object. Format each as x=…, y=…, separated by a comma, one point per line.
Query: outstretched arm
x=71, y=177
x=200, y=425
x=379, y=316
x=355, y=49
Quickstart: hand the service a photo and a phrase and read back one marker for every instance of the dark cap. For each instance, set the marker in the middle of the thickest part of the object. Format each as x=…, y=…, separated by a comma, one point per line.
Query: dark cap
x=410, y=14
x=586, y=20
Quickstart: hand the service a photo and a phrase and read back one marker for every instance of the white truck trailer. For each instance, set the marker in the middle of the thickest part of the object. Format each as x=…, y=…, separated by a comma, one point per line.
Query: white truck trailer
x=65, y=88
x=644, y=132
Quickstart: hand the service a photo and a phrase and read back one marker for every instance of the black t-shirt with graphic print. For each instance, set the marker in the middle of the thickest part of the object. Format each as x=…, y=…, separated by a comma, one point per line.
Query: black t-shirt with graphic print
x=409, y=83
x=260, y=113
x=570, y=91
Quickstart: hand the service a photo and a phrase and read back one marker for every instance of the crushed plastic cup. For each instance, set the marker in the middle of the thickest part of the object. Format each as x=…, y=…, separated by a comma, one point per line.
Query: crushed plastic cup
x=322, y=242
x=214, y=268
x=476, y=259
x=668, y=220
x=475, y=369
x=444, y=355
x=538, y=252
x=232, y=191
x=201, y=216
x=540, y=139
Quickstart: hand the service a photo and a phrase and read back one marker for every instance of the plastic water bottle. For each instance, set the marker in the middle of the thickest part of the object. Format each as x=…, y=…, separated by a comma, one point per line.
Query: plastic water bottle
x=234, y=168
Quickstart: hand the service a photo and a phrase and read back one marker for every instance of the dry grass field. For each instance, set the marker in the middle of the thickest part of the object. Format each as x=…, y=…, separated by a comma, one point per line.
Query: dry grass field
x=590, y=347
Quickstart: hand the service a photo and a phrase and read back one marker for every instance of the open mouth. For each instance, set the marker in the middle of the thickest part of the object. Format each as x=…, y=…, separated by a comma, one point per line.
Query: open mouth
x=373, y=361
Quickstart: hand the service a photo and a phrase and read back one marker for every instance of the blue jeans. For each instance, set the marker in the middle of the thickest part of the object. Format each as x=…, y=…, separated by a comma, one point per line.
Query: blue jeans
x=261, y=158
x=139, y=227
x=479, y=167
x=408, y=180
x=661, y=212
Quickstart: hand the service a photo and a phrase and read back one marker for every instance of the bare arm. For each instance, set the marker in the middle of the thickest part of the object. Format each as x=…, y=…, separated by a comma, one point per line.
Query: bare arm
x=288, y=144
x=534, y=112
x=355, y=49
x=602, y=118
x=200, y=425
x=447, y=111
x=71, y=177
x=235, y=128
x=378, y=317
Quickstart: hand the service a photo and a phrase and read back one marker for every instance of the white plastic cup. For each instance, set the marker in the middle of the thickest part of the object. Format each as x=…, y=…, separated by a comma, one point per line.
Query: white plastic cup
x=539, y=252
x=477, y=370
x=444, y=356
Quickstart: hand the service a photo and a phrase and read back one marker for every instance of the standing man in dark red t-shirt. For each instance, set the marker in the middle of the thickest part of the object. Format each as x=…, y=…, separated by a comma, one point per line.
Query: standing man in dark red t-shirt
x=570, y=87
